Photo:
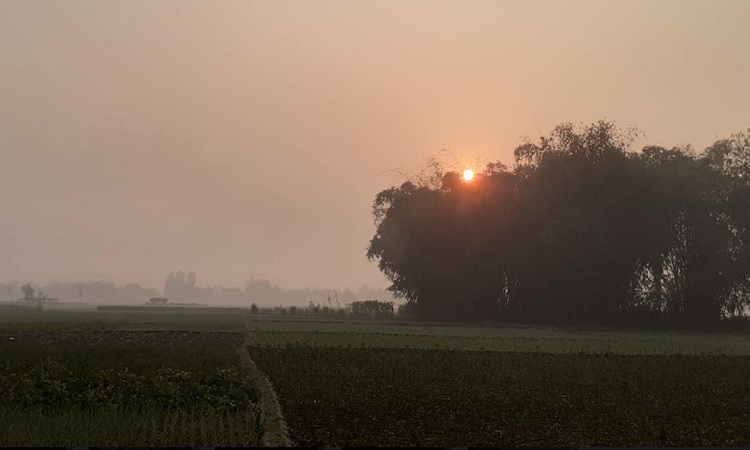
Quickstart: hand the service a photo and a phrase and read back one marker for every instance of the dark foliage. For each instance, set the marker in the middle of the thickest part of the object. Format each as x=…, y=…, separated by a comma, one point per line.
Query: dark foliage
x=371, y=308
x=581, y=231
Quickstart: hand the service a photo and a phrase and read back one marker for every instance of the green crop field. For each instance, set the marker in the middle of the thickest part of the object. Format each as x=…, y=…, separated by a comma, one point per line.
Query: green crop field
x=124, y=388
x=507, y=339
x=349, y=384
x=173, y=378
x=353, y=397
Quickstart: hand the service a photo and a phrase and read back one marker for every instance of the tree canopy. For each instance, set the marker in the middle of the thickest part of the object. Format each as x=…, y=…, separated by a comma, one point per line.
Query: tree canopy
x=581, y=230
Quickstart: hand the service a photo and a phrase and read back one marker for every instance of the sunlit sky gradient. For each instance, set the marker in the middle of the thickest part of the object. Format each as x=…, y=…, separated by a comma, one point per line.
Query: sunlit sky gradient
x=248, y=138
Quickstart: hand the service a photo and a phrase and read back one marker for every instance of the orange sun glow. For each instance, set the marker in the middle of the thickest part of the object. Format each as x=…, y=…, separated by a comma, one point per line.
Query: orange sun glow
x=468, y=174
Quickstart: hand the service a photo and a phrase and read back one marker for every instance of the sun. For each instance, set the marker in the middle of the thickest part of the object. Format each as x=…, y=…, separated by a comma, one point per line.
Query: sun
x=468, y=174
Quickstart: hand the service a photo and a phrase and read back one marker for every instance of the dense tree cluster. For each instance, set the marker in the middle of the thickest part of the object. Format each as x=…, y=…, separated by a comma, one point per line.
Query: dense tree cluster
x=582, y=230
x=371, y=308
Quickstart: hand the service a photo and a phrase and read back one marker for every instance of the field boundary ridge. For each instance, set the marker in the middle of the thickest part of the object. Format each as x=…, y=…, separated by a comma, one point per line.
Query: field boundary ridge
x=273, y=428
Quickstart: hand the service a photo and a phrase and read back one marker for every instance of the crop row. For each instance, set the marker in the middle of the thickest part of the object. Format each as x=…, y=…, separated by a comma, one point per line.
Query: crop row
x=63, y=320
x=162, y=338
x=113, y=427
x=634, y=344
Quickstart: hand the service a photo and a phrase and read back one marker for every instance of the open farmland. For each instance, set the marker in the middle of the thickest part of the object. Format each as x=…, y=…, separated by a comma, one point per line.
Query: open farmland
x=492, y=338
x=98, y=384
x=174, y=378
x=369, y=384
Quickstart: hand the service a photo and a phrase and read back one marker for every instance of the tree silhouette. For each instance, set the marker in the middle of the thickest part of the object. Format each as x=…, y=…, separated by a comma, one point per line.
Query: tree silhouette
x=28, y=291
x=582, y=230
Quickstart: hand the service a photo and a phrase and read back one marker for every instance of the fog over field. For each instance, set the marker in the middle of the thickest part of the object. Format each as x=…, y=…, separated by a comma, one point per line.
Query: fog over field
x=248, y=138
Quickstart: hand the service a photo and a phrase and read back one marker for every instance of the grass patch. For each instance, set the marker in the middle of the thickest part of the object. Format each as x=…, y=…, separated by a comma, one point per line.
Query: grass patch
x=376, y=397
x=272, y=427
x=108, y=427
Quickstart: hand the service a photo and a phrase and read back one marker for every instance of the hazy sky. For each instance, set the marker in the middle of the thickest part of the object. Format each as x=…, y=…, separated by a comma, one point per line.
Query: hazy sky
x=249, y=138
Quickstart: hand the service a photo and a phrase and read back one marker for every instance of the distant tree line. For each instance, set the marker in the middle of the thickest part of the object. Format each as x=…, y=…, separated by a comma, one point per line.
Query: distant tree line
x=95, y=291
x=581, y=230
x=371, y=308
x=181, y=288
x=360, y=309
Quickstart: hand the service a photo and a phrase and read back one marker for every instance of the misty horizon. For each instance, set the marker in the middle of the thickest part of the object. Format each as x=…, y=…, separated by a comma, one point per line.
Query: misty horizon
x=250, y=138
x=182, y=287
